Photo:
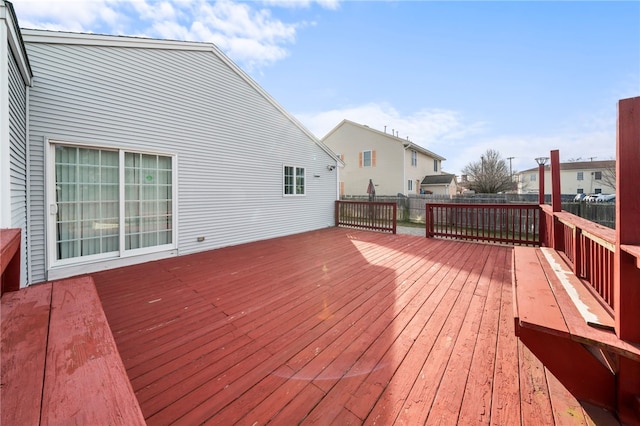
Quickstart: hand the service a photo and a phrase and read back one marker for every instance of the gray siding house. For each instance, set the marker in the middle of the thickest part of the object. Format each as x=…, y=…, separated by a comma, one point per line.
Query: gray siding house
x=138, y=149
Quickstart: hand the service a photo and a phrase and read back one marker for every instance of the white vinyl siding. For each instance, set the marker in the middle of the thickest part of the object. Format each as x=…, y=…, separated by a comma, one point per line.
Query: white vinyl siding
x=229, y=138
x=18, y=156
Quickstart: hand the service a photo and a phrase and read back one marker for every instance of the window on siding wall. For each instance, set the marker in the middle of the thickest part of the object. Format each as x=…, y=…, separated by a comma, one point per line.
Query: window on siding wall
x=597, y=175
x=580, y=191
x=532, y=177
x=294, y=180
x=580, y=176
x=410, y=185
x=89, y=194
x=367, y=158
x=435, y=165
x=598, y=190
x=414, y=158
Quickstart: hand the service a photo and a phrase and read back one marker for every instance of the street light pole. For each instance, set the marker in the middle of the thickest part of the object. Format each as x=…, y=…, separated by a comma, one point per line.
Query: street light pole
x=541, y=163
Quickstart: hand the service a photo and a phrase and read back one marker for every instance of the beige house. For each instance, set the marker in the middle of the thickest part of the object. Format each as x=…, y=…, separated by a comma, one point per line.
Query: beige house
x=395, y=165
x=588, y=177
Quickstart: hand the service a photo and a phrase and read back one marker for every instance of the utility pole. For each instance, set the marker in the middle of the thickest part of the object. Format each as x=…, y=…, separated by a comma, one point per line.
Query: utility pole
x=510, y=170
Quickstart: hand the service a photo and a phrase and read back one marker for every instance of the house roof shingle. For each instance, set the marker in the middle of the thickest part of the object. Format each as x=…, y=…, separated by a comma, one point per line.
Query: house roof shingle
x=438, y=179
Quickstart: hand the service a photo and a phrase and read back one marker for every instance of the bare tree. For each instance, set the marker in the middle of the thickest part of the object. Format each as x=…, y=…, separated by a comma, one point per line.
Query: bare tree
x=490, y=174
x=609, y=175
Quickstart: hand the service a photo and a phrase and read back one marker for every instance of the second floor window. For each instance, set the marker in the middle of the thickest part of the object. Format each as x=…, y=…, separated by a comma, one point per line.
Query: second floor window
x=435, y=165
x=414, y=158
x=580, y=175
x=367, y=159
x=532, y=177
x=597, y=175
x=410, y=185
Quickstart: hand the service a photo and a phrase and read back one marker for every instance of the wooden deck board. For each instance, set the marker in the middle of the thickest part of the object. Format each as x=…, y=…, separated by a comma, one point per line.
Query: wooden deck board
x=332, y=326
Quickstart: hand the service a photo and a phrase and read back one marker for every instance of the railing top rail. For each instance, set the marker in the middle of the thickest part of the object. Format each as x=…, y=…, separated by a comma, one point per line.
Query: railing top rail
x=589, y=229
x=486, y=205
x=377, y=203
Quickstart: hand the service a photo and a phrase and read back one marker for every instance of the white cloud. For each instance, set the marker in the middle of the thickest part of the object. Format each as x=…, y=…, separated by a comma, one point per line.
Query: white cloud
x=326, y=4
x=249, y=34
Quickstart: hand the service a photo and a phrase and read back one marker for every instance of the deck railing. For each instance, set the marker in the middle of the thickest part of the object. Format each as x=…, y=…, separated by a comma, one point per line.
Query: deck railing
x=372, y=215
x=588, y=247
x=503, y=223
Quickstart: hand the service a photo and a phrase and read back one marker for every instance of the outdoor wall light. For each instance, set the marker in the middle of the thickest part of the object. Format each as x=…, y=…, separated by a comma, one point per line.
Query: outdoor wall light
x=330, y=167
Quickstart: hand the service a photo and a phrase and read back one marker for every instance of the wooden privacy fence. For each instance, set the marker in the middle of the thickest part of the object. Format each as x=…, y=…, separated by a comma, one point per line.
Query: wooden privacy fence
x=372, y=215
x=504, y=223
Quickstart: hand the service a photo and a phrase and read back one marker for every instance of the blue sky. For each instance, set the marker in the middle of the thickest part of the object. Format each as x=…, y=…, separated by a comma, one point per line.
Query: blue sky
x=456, y=77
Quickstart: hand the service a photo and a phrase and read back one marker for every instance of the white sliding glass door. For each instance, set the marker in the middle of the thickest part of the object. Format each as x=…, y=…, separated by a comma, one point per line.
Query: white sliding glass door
x=110, y=203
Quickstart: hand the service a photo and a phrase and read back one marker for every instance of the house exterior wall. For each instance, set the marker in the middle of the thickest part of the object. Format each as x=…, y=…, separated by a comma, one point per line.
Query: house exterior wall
x=15, y=77
x=230, y=139
x=448, y=190
x=387, y=172
x=569, y=180
x=18, y=157
x=416, y=173
x=393, y=167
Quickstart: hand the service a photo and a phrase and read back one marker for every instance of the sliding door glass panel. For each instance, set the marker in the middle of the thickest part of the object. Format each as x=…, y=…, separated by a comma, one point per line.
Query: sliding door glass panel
x=148, y=200
x=87, y=197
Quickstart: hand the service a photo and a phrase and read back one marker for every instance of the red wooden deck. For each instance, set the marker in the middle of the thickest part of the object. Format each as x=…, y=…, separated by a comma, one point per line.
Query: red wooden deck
x=332, y=327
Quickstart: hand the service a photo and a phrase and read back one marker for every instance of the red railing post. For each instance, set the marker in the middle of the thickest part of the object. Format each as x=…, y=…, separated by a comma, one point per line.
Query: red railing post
x=627, y=274
x=556, y=201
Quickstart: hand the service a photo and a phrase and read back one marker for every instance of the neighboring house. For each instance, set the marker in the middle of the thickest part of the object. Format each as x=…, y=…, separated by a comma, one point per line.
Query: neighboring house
x=444, y=184
x=395, y=165
x=119, y=150
x=588, y=177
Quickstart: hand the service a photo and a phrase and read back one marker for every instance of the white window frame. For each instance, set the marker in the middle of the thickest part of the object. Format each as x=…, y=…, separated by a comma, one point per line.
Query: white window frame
x=580, y=176
x=121, y=253
x=410, y=185
x=435, y=165
x=414, y=158
x=295, y=178
x=597, y=175
x=532, y=177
